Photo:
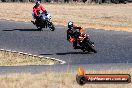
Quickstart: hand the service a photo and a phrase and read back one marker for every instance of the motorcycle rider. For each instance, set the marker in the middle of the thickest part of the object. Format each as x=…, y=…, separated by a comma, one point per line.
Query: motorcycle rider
x=36, y=11
x=73, y=34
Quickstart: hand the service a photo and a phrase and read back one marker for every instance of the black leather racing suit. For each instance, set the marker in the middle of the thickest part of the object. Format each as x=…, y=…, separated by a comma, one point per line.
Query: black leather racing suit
x=74, y=33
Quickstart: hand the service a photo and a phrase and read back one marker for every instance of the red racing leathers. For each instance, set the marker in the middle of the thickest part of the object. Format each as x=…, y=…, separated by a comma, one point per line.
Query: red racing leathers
x=37, y=9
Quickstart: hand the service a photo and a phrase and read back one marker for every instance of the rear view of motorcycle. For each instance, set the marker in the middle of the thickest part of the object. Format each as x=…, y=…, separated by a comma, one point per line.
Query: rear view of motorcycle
x=44, y=22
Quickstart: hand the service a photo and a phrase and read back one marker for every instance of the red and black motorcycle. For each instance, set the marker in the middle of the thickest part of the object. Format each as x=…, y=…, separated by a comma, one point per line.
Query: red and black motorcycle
x=85, y=43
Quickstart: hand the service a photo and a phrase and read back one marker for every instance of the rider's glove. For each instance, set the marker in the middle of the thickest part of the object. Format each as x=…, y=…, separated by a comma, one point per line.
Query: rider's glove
x=46, y=13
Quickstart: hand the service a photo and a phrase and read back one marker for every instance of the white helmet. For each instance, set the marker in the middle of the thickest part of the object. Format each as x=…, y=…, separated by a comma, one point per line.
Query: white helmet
x=38, y=2
x=70, y=24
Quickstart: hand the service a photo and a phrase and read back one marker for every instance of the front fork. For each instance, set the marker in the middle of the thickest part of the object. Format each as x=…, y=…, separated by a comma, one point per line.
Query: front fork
x=47, y=23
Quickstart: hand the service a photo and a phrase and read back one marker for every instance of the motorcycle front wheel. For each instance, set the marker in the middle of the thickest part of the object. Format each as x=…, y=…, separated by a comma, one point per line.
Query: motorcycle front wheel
x=39, y=28
x=92, y=48
x=51, y=26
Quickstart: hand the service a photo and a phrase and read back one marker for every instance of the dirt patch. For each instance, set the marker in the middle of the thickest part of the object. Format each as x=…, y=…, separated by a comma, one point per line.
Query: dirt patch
x=106, y=16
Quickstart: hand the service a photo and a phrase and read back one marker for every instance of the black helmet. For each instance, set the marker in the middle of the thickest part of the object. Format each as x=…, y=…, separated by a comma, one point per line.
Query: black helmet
x=38, y=2
x=70, y=24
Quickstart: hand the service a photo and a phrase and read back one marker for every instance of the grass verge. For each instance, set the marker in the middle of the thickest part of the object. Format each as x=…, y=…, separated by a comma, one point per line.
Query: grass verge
x=9, y=58
x=106, y=16
x=56, y=80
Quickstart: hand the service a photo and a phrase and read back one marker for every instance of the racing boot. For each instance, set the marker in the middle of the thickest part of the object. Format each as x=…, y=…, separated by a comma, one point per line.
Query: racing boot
x=33, y=22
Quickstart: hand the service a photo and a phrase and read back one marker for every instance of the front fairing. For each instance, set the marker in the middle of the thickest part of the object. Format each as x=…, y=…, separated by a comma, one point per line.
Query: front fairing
x=46, y=17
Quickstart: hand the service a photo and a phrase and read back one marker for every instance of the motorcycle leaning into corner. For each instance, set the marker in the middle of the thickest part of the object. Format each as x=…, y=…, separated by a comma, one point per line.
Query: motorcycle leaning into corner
x=85, y=43
x=44, y=22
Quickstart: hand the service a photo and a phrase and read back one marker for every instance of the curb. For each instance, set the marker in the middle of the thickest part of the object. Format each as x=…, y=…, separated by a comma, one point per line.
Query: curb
x=37, y=56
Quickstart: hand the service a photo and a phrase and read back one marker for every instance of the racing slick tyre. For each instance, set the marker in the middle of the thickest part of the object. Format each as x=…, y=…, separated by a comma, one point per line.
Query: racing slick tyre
x=51, y=26
x=91, y=48
x=39, y=28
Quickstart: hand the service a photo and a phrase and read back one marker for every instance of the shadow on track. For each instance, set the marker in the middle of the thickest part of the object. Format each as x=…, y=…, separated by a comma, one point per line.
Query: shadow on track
x=21, y=30
x=45, y=54
x=72, y=53
x=68, y=53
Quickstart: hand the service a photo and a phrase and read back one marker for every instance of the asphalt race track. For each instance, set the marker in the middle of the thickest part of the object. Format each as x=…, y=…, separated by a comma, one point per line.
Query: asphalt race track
x=112, y=47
